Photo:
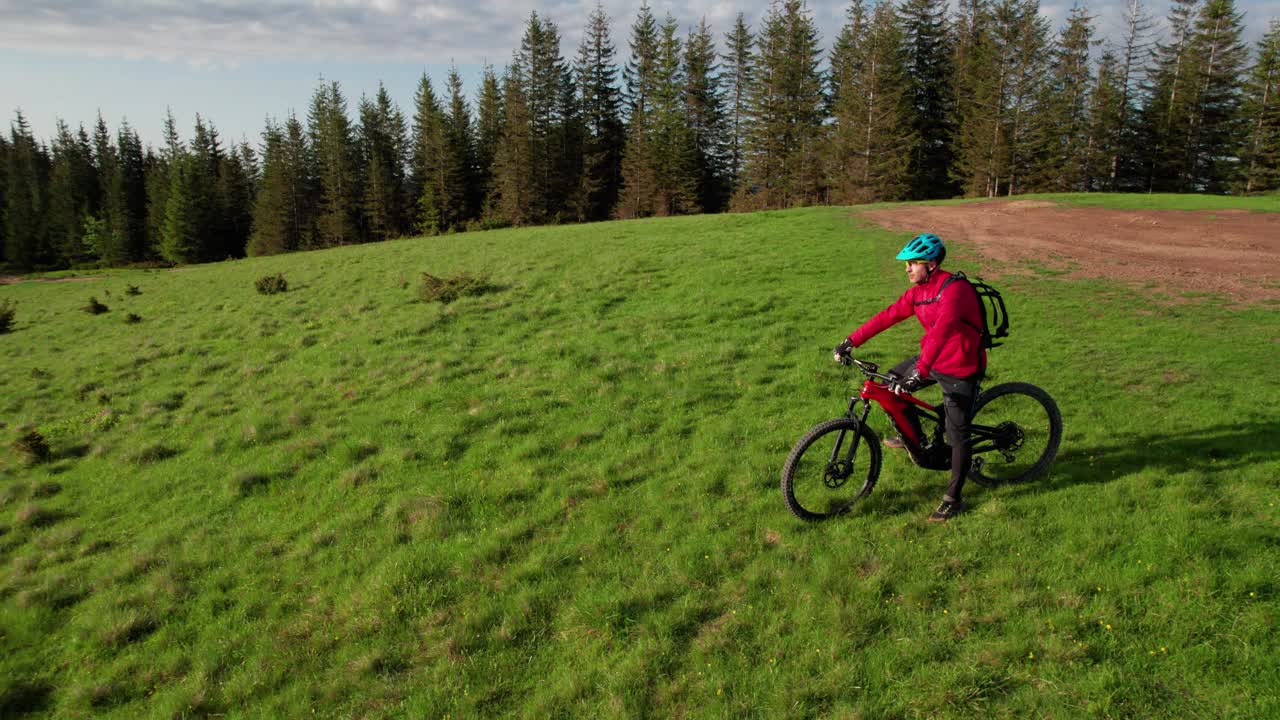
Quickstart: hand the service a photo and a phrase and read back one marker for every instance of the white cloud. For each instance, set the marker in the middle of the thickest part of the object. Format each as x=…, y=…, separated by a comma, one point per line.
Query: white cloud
x=465, y=31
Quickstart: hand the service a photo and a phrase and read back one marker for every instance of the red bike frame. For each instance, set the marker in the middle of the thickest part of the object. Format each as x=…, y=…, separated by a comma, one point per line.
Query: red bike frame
x=896, y=406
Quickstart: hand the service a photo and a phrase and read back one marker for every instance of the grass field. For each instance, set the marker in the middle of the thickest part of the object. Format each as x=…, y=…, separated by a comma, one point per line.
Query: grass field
x=560, y=498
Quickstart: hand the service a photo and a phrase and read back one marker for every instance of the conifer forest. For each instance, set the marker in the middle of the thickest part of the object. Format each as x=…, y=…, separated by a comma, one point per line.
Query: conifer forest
x=913, y=101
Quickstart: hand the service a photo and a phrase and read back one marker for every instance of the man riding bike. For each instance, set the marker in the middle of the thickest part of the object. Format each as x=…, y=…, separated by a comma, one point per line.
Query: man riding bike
x=951, y=352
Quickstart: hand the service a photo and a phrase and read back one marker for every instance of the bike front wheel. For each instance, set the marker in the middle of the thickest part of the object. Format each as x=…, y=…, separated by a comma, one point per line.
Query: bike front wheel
x=833, y=466
x=1016, y=431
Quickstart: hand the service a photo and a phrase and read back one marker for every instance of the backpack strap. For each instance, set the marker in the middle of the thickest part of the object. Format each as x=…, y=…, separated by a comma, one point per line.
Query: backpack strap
x=936, y=298
x=945, y=283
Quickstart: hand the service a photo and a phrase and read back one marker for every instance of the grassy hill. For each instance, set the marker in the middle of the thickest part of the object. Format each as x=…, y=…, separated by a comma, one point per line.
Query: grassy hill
x=560, y=497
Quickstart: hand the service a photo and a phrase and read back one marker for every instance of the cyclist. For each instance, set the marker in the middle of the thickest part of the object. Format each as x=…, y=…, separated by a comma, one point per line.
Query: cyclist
x=951, y=352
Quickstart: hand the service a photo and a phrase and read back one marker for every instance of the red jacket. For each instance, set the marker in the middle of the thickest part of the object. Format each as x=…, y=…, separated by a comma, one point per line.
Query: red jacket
x=952, y=342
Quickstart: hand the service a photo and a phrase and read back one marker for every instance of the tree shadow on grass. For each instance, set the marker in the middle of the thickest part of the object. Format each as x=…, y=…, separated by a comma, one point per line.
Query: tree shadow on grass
x=1224, y=448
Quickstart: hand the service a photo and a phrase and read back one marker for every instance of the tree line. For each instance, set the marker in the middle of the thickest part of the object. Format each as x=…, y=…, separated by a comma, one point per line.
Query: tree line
x=911, y=102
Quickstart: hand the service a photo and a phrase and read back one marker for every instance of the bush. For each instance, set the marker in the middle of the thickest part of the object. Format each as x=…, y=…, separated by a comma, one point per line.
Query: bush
x=132, y=290
x=94, y=307
x=32, y=447
x=272, y=284
x=446, y=290
x=7, y=310
x=132, y=319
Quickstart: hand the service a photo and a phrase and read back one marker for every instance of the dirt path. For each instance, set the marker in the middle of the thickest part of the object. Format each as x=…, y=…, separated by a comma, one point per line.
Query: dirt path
x=1233, y=252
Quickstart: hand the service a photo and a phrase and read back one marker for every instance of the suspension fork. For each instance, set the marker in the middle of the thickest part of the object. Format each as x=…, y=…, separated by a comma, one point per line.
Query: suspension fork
x=853, y=408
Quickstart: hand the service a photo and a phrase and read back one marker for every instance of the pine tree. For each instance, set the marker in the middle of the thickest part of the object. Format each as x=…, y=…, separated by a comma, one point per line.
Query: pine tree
x=1217, y=131
x=335, y=153
x=1166, y=117
x=1260, y=159
x=125, y=201
x=511, y=191
x=431, y=162
x=205, y=198
x=238, y=178
x=460, y=143
x=929, y=74
x=283, y=207
x=601, y=106
x=785, y=134
x=547, y=94
x=1123, y=134
x=384, y=143
x=180, y=240
x=26, y=199
x=158, y=181
x=4, y=202
x=1106, y=104
x=72, y=187
x=739, y=74
x=1065, y=141
x=673, y=142
x=704, y=108
x=1000, y=67
x=489, y=122
x=872, y=136
x=639, y=159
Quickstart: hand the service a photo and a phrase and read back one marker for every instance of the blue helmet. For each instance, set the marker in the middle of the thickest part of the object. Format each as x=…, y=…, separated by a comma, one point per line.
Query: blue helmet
x=923, y=247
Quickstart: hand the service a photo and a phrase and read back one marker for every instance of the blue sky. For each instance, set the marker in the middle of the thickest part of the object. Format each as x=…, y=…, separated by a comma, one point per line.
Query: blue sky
x=235, y=62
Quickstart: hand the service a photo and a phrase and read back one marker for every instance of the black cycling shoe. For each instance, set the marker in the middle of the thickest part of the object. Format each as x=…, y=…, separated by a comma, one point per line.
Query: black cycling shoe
x=947, y=509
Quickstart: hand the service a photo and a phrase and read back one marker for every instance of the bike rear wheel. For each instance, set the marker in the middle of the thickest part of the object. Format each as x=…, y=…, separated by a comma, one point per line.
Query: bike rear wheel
x=833, y=466
x=1015, y=432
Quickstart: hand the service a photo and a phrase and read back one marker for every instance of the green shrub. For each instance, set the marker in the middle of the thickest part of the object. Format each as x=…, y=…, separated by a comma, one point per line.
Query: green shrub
x=7, y=310
x=94, y=307
x=132, y=290
x=132, y=319
x=32, y=447
x=446, y=290
x=271, y=284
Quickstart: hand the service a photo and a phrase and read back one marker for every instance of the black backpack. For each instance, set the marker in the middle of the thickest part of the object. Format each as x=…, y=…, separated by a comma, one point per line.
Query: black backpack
x=994, y=314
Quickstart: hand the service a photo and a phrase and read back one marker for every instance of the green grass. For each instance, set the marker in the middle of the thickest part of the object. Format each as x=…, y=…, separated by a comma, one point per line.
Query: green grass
x=560, y=498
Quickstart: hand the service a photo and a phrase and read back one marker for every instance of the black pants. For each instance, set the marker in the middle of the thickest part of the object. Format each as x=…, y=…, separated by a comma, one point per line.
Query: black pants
x=958, y=397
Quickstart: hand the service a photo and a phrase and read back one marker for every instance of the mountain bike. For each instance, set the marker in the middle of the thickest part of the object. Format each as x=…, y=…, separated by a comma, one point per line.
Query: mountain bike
x=1014, y=436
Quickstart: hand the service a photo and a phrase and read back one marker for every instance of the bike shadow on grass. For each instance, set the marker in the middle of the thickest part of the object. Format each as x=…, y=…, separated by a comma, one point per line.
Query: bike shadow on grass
x=1219, y=449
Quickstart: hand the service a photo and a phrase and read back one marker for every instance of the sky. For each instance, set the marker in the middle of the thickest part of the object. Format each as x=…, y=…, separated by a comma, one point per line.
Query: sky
x=238, y=62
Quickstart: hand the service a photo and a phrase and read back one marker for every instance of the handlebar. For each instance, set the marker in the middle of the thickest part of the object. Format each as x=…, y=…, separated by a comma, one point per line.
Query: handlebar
x=870, y=369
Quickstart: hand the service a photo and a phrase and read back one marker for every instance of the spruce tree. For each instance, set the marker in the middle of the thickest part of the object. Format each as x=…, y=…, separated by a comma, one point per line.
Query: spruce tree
x=1106, y=103
x=1260, y=158
x=460, y=144
x=335, y=153
x=125, y=201
x=180, y=240
x=72, y=187
x=600, y=105
x=238, y=179
x=511, y=191
x=673, y=142
x=489, y=121
x=704, y=106
x=26, y=199
x=1217, y=131
x=271, y=214
x=1065, y=140
x=929, y=74
x=431, y=162
x=1173, y=89
x=157, y=183
x=384, y=143
x=639, y=159
x=739, y=60
x=1124, y=138
x=873, y=134
x=785, y=134
x=547, y=94
x=283, y=214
